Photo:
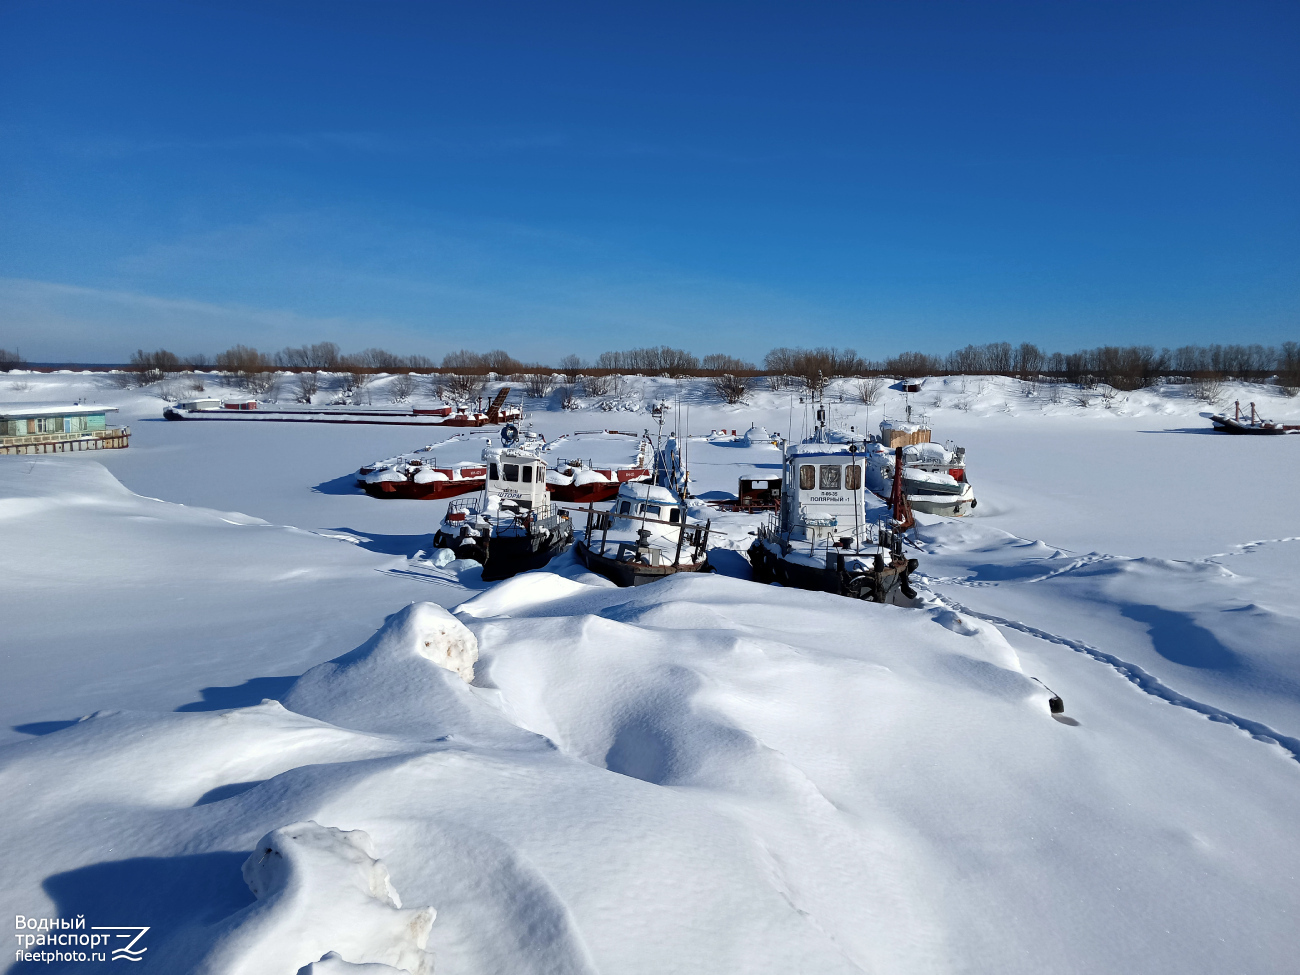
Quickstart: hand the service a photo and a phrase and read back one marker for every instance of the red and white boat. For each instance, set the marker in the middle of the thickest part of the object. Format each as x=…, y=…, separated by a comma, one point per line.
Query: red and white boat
x=413, y=477
x=576, y=482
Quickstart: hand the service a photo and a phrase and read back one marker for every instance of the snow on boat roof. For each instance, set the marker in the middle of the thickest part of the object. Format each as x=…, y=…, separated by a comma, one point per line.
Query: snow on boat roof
x=903, y=426
x=644, y=491
x=53, y=409
x=510, y=453
x=818, y=450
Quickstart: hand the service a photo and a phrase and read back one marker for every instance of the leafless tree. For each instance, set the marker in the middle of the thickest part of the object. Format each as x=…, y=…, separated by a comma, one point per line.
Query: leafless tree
x=1208, y=388
x=401, y=388
x=153, y=366
x=566, y=395
x=465, y=389
x=308, y=386
x=571, y=368
x=731, y=388
x=725, y=363
x=10, y=360
x=322, y=355
x=539, y=384
x=596, y=385
x=259, y=383
x=869, y=389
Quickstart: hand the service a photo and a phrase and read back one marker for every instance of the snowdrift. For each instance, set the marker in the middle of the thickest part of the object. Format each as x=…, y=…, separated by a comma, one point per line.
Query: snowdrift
x=703, y=774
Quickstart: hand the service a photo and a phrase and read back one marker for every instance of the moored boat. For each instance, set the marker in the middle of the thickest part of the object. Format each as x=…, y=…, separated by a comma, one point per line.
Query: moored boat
x=1255, y=425
x=645, y=535
x=819, y=537
x=933, y=475
x=419, y=478
x=512, y=526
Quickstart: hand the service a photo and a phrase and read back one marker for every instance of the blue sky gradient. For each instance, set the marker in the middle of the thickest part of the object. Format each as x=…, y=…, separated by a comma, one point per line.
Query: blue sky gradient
x=573, y=178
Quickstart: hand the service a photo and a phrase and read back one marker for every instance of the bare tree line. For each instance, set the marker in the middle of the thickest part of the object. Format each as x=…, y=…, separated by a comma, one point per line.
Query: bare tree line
x=466, y=371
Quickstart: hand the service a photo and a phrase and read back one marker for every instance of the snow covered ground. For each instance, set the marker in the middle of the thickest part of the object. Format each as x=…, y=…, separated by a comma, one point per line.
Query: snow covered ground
x=699, y=775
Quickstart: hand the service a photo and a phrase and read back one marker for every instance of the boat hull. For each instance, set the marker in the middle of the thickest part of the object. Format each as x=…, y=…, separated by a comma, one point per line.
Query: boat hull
x=583, y=493
x=503, y=556
x=1226, y=424
x=431, y=491
x=627, y=574
x=881, y=586
x=949, y=505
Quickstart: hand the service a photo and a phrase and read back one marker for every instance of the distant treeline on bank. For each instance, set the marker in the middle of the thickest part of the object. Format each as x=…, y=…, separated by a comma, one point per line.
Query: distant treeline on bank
x=1123, y=367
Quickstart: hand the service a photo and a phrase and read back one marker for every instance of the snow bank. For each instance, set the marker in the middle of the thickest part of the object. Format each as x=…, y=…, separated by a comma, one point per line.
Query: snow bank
x=411, y=679
x=587, y=476
x=319, y=890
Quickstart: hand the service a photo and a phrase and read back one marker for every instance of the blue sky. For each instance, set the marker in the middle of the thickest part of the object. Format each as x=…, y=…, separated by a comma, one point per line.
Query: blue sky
x=555, y=178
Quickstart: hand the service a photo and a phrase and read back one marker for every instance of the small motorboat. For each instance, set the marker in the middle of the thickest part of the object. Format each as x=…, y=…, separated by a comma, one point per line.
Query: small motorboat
x=512, y=526
x=644, y=536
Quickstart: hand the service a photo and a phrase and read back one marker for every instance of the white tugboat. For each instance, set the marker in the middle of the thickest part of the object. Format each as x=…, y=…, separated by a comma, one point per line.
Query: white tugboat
x=934, y=475
x=819, y=537
x=645, y=535
x=512, y=526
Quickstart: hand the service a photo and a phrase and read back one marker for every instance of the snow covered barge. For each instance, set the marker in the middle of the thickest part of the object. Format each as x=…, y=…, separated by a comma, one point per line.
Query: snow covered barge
x=512, y=526
x=576, y=482
x=645, y=535
x=420, y=478
x=819, y=538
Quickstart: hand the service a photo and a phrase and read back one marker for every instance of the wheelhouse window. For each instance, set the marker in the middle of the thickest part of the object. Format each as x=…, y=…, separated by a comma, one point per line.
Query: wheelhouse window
x=830, y=477
x=853, y=478
x=653, y=509
x=492, y=472
x=528, y=475
x=807, y=477
x=625, y=508
x=512, y=471
x=673, y=515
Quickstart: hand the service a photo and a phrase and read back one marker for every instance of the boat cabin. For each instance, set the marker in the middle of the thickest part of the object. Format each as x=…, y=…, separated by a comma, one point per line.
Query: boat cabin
x=641, y=501
x=516, y=474
x=203, y=403
x=823, y=491
x=755, y=493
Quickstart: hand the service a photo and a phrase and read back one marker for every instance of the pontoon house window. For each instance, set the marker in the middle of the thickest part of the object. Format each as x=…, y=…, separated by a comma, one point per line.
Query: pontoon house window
x=830, y=477
x=853, y=477
x=807, y=477
x=512, y=471
x=528, y=475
